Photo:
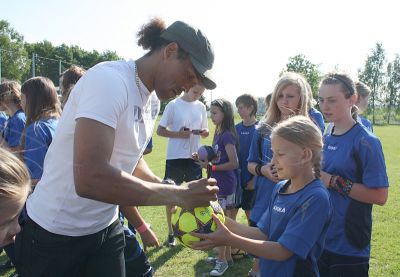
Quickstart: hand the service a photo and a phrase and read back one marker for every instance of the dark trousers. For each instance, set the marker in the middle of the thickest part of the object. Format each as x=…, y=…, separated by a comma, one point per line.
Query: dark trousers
x=41, y=253
x=335, y=265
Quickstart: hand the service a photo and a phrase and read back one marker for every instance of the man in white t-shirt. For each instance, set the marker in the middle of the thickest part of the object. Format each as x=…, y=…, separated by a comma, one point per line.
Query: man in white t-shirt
x=184, y=121
x=72, y=227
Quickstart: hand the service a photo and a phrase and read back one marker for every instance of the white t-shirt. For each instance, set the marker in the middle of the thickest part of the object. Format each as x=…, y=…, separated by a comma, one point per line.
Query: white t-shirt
x=180, y=113
x=107, y=93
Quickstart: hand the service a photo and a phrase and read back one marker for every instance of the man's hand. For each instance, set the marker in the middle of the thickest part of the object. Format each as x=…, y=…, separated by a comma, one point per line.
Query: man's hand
x=198, y=193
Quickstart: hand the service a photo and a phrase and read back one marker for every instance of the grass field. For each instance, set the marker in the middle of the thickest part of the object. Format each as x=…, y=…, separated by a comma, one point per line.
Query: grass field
x=385, y=256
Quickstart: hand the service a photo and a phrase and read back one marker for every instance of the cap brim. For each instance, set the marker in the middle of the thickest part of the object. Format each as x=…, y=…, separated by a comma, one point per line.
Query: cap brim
x=206, y=74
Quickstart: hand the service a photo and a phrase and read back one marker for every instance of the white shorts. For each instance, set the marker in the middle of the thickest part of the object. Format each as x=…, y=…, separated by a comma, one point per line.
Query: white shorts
x=227, y=202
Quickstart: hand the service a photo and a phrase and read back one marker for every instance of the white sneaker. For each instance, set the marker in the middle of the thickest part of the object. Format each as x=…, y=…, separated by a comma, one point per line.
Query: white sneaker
x=219, y=268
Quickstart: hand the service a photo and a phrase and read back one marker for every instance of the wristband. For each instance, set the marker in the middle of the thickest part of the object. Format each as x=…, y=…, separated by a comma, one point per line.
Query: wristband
x=213, y=168
x=343, y=186
x=143, y=228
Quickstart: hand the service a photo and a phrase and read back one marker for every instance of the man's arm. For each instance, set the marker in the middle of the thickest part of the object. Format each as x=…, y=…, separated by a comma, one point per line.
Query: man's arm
x=144, y=172
x=96, y=179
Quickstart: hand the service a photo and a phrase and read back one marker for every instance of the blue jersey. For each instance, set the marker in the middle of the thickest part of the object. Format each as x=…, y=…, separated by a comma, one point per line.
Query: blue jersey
x=3, y=119
x=299, y=222
x=365, y=122
x=38, y=137
x=263, y=185
x=317, y=118
x=357, y=156
x=245, y=134
x=14, y=128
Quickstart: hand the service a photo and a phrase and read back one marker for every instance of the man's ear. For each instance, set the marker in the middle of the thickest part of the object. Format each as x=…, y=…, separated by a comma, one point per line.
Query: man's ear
x=171, y=50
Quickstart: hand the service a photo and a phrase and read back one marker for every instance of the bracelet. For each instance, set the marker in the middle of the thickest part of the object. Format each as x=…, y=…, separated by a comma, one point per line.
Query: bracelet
x=213, y=168
x=143, y=228
x=343, y=186
x=258, y=170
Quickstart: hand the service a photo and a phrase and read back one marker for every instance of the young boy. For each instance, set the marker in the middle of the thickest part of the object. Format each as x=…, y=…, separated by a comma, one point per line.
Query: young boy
x=247, y=109
x=184, y=121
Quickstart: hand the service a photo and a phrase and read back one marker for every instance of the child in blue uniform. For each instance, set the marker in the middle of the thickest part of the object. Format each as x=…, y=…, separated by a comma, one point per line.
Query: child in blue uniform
x=353, y=168
x=290, y=235
x=42, y=108
x=247, y=109
x=3, y=119
x=290, y=97
x=362, y=103
x=10, y=100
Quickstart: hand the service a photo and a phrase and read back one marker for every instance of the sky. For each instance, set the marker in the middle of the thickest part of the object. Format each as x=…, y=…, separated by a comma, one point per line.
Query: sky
x=252, y=39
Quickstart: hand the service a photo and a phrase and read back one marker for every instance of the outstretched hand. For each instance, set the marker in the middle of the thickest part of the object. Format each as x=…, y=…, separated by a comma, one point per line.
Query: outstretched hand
x=220, y=237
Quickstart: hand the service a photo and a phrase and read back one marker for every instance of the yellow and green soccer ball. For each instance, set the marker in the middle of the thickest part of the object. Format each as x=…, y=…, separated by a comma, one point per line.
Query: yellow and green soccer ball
x=198, y=220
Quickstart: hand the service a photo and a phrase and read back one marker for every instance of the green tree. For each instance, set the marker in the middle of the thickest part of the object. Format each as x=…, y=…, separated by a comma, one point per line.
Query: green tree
x=310, y=71
x=14, y=60
x=393, y=85
x=374, y=75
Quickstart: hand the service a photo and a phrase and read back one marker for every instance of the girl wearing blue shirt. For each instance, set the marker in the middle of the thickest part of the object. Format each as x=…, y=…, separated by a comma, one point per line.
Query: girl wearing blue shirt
x=353, y=168
x=42, y=107
x=290, y=235
x=289, y=98
x=10, y=101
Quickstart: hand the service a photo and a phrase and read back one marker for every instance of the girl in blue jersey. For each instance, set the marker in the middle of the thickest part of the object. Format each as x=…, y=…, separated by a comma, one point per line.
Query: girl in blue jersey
x=289, y=237
x=289, y=98
x=42, y=108
x=10, y=101
x=353, y=168
x=315, y=115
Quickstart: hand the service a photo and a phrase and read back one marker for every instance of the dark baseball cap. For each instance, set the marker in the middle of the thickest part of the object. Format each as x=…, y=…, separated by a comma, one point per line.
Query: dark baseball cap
x=196, y=44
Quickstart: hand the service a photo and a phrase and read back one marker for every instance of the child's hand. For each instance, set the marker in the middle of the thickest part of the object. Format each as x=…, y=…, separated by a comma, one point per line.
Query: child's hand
x=220, y=237
x=270, y=172
x=149, y=239
x=195, y=156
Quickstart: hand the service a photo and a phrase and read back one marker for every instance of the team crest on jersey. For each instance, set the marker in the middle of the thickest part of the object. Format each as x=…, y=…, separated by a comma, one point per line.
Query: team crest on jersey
x=279, y=209
x=331, y=147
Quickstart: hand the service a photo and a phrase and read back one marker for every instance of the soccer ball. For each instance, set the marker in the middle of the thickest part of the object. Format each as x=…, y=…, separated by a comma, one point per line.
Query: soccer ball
x=206, y=153
x=199, y=220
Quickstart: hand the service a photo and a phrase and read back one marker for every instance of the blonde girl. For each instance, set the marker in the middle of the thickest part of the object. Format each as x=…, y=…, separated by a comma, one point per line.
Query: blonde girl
x=290, y=234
